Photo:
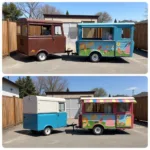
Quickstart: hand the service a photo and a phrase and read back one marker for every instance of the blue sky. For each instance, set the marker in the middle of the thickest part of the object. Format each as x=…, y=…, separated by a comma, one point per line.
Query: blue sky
x=113, y=85
x=118, y=10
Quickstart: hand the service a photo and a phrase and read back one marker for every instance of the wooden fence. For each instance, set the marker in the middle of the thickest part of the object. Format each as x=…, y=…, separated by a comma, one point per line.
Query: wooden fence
x=9, y=37
x=141, y=108
x=140, y=35
x=12, y=111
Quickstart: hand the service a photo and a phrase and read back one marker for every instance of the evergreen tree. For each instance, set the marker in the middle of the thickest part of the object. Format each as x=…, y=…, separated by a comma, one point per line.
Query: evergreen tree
x=11, y=12
x=115, y=21
x=26, y=86
x=109, y=95
x=67, y=90
x=67, y=13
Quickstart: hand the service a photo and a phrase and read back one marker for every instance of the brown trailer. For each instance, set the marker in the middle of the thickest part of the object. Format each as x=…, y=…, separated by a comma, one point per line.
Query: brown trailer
x=40, y=37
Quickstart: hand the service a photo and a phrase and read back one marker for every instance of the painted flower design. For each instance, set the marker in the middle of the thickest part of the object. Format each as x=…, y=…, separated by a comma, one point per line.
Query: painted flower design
x=118, y=44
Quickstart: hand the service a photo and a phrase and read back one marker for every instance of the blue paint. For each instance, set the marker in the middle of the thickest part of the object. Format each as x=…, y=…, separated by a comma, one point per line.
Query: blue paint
x=39, y=121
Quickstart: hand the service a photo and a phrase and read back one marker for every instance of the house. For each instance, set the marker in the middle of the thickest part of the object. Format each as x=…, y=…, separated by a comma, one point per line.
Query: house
x=9, y=88
x=72, y=100
x=70, y=25
x=142, y=94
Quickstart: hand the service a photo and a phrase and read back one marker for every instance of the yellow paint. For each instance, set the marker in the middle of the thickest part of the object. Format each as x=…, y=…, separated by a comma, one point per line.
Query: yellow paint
x=128, y=121
x=32, y=51
x=91, y=100
x=127, y=101
x=101, y=100
x=107, y=46
x=118, y=43
x=84, y=121
x=113, y=100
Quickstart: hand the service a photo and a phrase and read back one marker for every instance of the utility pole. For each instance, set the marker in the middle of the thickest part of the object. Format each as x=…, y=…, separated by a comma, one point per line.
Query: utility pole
x=133, y=92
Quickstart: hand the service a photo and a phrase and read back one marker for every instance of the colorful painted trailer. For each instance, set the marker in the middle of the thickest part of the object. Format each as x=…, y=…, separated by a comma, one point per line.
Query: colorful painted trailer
x=42, y=113
x=98, y=40
x=106, y=113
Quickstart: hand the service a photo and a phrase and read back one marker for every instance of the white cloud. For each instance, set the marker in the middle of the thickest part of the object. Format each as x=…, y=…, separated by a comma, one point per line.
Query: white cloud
x=131, y=88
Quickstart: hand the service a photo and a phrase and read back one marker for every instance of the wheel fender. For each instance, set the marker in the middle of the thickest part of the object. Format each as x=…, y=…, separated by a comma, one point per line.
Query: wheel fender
x=98, y=124
x=95, y=51
x=48, y=126
x=41, y=50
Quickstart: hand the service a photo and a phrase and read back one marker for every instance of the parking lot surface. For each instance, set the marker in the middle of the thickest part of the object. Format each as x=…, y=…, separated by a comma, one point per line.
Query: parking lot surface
x=17, y=137
x=63, y=64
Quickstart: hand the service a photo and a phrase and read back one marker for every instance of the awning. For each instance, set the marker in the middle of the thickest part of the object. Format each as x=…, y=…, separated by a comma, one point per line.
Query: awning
x=110, y=101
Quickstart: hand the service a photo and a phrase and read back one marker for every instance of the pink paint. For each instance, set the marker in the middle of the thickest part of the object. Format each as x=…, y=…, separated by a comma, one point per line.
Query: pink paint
x=127, y=49
x=110, y=122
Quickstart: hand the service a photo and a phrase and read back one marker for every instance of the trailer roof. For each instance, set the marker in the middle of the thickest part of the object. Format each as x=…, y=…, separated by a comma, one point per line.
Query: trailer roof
x=37, y=20
x=105, y=24
x=109, y=100
x=45, y=98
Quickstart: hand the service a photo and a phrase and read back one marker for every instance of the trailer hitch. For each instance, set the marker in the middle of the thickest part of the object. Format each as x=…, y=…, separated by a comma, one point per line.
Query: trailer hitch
x=72, y=125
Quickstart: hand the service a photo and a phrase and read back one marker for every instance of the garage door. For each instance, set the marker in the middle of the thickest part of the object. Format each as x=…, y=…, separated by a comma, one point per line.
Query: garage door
x=72, y=107
x=70, y=31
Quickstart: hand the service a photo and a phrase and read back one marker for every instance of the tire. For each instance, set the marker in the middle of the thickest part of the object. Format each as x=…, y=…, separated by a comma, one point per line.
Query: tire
x=95, y=57
x=41, y=56
x=47, y=131
x=98, y=130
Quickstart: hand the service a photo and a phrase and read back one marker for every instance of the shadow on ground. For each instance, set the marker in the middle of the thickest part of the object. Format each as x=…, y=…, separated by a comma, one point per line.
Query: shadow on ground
x=26, y=59
x=87, y=132
x=141, y=123
x=29, y=133
x=86, y=59
x=141, y=53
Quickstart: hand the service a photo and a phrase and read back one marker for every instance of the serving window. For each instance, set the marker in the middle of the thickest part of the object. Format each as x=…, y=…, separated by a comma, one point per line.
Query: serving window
x=39, y=30
x=98, y=108
x=123, y=107
x=104, y=33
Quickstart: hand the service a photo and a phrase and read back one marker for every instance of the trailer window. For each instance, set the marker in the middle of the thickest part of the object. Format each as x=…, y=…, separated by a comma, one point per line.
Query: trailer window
x=61, y=107
x=126, y=33
x=97, y=33
x=98, y=108
x=18, y=30
x=39, y=30
x=24, y=30
x=58, y=30
x=123, y=107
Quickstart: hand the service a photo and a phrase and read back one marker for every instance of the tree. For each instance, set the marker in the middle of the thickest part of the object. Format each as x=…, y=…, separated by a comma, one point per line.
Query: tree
x=11, y=12
x=50, y=84
x=104, y=17
x=26, y=86
x=36, y=10
x=115, y=21
x=67, y=90
x=67, y=13
x=99, y=92
x=109, y=95
x=28, y=9
x=128, y=21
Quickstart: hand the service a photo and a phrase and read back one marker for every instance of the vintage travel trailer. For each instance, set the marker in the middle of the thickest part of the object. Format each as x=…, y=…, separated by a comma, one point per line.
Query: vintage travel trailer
x=95, y=40
x=42, y=113
x=98, y=114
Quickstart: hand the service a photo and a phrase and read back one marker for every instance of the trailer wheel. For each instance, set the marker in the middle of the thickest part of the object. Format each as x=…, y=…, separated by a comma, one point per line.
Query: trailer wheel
x=95, y=57
x=98, y=130
x=41, y=56
x=47, y=131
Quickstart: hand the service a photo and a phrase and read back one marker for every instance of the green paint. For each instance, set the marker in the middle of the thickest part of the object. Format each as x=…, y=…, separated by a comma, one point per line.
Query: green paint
x=109, y=53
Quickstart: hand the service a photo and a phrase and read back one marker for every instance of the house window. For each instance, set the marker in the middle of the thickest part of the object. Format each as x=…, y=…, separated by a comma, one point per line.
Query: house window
x=123, y=107
x=61, y=107
x=38, y=30
x=58, y=30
